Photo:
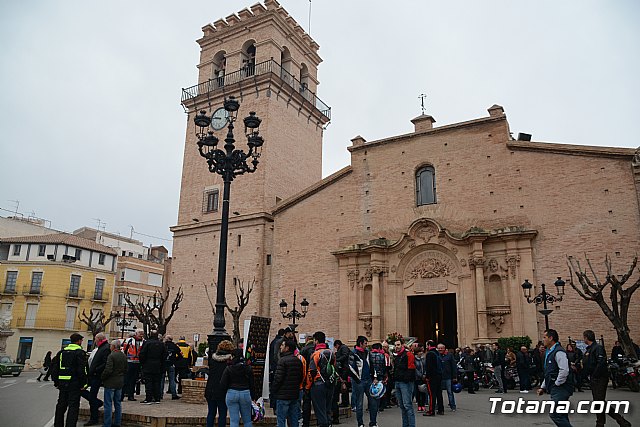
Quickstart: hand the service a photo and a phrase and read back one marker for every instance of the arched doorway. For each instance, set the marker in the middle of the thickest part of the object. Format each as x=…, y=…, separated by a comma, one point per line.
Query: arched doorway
x=434, y=317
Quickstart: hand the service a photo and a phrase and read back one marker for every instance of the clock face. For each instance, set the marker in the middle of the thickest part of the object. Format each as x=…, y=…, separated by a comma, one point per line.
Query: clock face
x=219, y=118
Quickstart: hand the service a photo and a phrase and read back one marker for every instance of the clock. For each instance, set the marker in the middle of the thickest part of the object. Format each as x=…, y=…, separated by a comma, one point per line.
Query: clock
x=219, y=118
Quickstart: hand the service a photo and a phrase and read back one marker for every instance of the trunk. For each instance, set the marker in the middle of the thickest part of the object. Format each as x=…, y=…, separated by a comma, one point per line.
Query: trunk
x=626, y=343
x=236, y=330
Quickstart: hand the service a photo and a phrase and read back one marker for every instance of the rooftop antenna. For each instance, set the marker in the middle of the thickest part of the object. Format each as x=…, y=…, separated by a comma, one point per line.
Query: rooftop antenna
x=17, y=203
x=422, y=97
x=131, y=235
x=101, y=224
x=309, y=30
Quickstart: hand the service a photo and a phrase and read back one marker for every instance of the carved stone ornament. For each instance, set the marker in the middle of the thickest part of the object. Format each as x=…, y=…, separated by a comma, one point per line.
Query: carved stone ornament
x=368, y=325
x=393, y=268
x=497, y=321
x=477, y=262
x=427, y=232
x=512, y=264
x=463, y=262
x=429, y=268
x=368, y=275
x=431, y=271
x=636, y=158
x=493, y=265
x=352, y=275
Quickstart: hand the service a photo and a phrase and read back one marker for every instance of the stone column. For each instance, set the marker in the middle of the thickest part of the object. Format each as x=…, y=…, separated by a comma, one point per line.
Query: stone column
x=376, y=333
x=477, y=263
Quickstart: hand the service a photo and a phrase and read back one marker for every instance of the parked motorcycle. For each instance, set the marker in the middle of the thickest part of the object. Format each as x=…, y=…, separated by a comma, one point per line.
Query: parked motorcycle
x=624, y=372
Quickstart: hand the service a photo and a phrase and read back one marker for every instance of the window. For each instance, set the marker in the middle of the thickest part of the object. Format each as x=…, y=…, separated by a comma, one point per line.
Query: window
x=74, y=287
x=124, y=253
x=121, y=300
x=97, y=294
x=16, y=250
x=71, y=317
x=36, y=282
x=10, y=285
x=268, y=259
x=78, y=254
x=130, y=253
x=426, y=186
x=239, y=240
x=210, y=201
x=30, y=318
x=122, y=274
x=41, y=250
x=155, y=279
x=101, y=258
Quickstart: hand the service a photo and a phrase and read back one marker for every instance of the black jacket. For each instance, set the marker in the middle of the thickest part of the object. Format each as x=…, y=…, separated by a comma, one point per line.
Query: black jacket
x=342, y=360
x=238, y=376
x=405, y=367
x=74, y=364
x=288, y=377
x=309, y=349
x=99, y=361
x=499, y=358
x=595, y=362
x=152, y=356
x=274, y=350
x=173, y=353
x=523, y=360
x=217, y=364
x=433, y=365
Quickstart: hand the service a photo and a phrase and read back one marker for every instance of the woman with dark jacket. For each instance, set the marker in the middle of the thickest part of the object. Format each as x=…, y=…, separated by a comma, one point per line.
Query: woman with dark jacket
x=46, y=364
x=237, y=381
x=214, y=393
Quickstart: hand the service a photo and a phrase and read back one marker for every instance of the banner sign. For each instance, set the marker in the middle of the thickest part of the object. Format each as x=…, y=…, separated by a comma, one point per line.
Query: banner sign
x=256, y=348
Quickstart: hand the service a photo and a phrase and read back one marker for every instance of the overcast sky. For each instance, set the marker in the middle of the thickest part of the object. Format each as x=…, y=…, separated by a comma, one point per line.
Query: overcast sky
x=91, y=124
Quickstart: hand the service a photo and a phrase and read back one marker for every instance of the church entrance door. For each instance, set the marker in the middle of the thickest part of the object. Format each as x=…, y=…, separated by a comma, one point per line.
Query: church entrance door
x=434, y=317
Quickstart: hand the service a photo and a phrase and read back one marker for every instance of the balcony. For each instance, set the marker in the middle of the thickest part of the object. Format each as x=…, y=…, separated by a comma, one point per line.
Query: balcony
x=75, y=294
x=10, y=291
x=51, y=324
x=267, y=68
x=29, y=290
x=100, y=297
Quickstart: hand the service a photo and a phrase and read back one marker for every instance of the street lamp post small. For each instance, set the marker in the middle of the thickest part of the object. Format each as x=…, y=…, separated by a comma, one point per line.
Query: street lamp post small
x=294, y=314
x=544, y=297
x=122, y=322
x=228, y=162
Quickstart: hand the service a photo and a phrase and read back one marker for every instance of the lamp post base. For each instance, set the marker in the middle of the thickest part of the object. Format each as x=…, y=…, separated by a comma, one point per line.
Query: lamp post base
x=216, y=338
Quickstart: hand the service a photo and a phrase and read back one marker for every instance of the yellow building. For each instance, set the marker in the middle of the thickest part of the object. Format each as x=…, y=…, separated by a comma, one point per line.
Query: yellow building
x=46, y=281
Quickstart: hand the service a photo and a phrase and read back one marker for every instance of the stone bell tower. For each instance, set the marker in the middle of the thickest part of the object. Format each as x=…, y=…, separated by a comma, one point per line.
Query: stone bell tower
x=263, y=58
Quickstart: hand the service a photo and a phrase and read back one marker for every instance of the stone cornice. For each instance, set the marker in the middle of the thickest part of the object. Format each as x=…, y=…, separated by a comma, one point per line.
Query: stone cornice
x=194, y=227
x=309, y=191
x=573, y=150
x=446, y=128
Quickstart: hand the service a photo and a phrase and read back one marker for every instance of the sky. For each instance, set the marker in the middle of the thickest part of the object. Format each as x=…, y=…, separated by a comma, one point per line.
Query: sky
x=92, y=131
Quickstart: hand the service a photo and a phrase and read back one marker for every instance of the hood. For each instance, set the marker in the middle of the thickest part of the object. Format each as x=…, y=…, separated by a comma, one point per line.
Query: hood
x=221, y=357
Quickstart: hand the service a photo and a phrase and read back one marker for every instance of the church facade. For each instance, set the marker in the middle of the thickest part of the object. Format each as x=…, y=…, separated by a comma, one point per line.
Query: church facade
x=429, y=234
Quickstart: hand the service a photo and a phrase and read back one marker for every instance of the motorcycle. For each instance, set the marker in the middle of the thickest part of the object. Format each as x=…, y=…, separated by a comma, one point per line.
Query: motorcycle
x=488, y=378
x=624, y=372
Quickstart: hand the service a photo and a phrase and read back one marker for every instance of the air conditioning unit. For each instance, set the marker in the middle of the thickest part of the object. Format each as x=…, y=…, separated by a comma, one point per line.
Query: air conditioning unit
x=51, y=257
x=68, y=258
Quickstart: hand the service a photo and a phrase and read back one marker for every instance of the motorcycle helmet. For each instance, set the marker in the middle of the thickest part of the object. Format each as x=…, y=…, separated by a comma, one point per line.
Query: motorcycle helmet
x=457, y=387
x=422, y=388
x=377, y=390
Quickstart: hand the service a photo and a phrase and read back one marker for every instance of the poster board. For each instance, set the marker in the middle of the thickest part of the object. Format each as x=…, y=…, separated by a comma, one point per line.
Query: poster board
x=256, y=349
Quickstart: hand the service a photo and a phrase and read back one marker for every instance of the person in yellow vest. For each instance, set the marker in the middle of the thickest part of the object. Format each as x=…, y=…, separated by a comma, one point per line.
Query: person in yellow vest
x=131, y=349
x=70, y=377
x=183, y=366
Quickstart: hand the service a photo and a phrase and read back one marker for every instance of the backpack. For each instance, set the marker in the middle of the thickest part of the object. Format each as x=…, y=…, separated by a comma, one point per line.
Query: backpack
x=327, y=370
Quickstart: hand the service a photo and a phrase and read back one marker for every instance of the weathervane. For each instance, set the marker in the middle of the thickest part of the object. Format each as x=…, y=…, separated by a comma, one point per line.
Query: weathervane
x=422, y=97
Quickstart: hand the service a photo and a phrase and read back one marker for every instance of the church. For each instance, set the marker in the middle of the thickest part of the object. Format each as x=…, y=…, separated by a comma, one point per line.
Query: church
x=430, y=234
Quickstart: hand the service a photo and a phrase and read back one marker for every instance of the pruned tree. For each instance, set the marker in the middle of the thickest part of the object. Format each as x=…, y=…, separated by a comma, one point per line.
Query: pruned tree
x=96, y=321
x=595, y=289
x=152, y=312
x=243, y=292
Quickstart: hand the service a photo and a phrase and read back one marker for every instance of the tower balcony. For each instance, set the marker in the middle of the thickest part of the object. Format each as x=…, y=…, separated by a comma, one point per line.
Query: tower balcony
x=252, y=74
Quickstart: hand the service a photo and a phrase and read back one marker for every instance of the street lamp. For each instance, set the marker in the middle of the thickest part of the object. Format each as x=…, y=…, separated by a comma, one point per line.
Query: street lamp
x=544, y=297
x=227, y=162
x=122, y=321
x=294, y=314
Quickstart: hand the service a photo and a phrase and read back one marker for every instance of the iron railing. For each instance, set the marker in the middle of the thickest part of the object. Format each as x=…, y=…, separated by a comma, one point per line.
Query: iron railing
x=8, y=290
x=32, y=290
x=218, y=84
x=48, y=323
x=75, y=294
x=100, y=296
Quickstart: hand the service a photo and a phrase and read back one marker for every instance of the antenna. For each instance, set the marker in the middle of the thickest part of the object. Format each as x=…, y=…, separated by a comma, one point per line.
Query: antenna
x=101, y=224
x=422, y=98
x=309, y=29
x=17, y=203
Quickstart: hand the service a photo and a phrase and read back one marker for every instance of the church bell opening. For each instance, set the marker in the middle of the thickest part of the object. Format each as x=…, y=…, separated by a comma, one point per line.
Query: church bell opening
x=434, y=317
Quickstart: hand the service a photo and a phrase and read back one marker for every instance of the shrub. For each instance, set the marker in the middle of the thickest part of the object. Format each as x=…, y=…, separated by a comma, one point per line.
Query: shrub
x=202, y=347
x=514, y=342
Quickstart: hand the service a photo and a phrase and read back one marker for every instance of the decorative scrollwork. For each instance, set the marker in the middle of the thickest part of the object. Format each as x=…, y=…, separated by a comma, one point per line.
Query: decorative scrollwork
x=430, y=268
x=352, y=276
x=497, y=321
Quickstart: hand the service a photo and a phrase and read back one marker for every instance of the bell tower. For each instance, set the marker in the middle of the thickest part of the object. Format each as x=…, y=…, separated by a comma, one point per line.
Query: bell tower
x=263, y=58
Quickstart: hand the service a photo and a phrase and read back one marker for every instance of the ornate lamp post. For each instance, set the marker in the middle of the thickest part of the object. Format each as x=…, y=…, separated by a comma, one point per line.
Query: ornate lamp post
x=122, y=322
x=294, y=314
x=544, y=297
x=228, y=162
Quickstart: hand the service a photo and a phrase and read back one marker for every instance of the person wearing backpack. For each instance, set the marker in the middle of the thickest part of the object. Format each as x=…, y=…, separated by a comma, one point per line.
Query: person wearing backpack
x=173, y=355
x=433, y=380
x=363, y=375
x=322, y=379
x=183, y=366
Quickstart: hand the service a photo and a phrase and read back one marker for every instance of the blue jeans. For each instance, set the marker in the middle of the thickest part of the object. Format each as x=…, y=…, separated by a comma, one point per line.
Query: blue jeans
x=219, y=407
x=239, y=404
x=112, y=395
x=559, y=394
x=321, y=395
x=359, y=391
x=171, y=373
x=446, y=385
x=404, y=395
x=288, y=410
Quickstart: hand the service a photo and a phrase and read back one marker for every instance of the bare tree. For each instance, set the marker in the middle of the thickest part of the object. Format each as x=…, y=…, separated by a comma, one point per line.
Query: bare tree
x=593, y=289
x=242, y=299
x=152, y=312
x=96, y=321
